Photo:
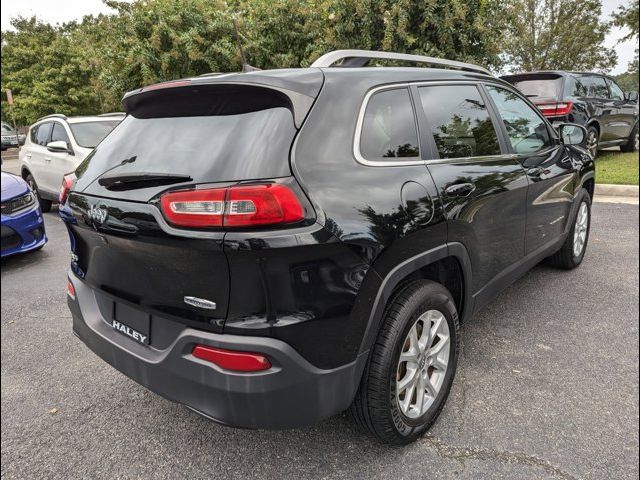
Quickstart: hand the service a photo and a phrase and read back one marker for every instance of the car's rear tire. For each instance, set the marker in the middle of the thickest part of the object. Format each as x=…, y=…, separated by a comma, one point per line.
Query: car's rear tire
x=394, y=403
x=574, y=247
x=592, y=140
x=45, y=205
x=632, y=142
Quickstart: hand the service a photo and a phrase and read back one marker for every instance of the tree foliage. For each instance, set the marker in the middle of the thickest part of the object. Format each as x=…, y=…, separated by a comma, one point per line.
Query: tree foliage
x=85, y=67
x=628, y=16
x=43, y=67
x=556, y=35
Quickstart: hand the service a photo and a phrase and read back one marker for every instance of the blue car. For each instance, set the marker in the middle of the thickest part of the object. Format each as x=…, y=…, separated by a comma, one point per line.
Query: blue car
x=22, y=222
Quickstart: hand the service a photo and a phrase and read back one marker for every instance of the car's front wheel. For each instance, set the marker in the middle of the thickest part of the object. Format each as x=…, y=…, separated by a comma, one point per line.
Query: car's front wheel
x=411, y=366
x=45, y=205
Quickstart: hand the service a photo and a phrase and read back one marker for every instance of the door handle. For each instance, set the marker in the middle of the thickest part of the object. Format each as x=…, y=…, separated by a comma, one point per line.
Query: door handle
x=47, y=159
x=460, y=189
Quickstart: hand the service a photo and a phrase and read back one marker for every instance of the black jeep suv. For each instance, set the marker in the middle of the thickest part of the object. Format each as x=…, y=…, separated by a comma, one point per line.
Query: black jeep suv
x=272, y=248
x=589, y=99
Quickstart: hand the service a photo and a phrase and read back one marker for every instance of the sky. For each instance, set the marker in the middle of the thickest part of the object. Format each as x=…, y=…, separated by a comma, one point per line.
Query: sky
x=66, y=10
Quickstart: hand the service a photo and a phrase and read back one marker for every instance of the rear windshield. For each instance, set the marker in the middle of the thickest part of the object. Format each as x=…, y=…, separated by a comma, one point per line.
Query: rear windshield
x=214, y=148
x=90, y=134
x=543, y=87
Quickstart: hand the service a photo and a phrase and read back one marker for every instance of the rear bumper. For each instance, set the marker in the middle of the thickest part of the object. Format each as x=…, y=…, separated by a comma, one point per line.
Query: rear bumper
x=292, y=393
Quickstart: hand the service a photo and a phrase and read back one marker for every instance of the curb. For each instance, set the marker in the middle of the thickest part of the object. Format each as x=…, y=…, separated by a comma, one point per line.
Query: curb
x=616, y=190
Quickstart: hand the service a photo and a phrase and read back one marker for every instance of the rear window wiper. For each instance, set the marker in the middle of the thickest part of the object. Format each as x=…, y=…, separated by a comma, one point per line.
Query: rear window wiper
x=132, y=181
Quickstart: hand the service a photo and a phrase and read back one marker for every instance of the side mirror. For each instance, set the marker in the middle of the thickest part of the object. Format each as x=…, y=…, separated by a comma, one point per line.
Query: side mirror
x=572, y=134
x=631, y=96
x=58, y=146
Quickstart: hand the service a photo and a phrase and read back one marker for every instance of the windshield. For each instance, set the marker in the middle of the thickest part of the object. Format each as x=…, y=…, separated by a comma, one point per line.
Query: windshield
x=6, y=128
x=549, y=87
x=90, y=134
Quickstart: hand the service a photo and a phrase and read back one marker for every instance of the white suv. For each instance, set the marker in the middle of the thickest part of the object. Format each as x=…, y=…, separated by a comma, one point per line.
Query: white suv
x=56, y=145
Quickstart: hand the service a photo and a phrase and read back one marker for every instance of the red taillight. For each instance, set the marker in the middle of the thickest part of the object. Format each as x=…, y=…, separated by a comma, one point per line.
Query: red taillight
x=67, y=183
x=231, y=359
x=71, y=290
x=261, y=205
x=237, y=206
x=556, y=109
x=194, y=208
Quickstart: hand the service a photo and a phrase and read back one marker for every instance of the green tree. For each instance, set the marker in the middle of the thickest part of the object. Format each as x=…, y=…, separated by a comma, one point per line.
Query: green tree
x=628, y=16
x=85, y=67
x=158, y=40
x=291, y=33
x=556, y=34
x=42, y=67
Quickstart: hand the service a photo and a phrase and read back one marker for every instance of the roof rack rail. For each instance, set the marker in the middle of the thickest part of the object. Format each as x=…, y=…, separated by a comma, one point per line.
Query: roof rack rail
x=360, y=58
x=112, y=114
x=53, y=115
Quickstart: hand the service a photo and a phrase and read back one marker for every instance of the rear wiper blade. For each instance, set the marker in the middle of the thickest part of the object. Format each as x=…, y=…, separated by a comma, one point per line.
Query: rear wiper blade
x=131, y=181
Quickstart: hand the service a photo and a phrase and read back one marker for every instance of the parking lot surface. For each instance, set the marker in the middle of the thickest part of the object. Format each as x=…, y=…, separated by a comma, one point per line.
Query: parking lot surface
x=547, y=387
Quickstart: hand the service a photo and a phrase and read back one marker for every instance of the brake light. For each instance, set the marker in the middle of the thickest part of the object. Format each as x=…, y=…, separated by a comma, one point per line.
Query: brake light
x=556, y=109
x=236, y=206
x=67, y=183
x=231, y=359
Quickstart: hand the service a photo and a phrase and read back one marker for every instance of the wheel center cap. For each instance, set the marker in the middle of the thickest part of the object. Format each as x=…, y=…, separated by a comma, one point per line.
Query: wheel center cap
x=422, y=361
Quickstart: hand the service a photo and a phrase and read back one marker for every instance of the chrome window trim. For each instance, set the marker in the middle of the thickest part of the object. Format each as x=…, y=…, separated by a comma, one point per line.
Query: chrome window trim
x=435, y=161
x=358, y=133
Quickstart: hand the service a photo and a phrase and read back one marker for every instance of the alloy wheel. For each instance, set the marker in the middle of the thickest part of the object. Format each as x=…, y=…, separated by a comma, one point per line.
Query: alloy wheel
x=592, y=143
x=423, y=364
x=580, y=229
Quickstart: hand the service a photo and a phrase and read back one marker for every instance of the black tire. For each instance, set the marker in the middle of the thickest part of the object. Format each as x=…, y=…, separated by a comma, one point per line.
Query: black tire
x=375, y=408
x=565, y=257
x=632, y=141
x=593, y=139
x=45, y=205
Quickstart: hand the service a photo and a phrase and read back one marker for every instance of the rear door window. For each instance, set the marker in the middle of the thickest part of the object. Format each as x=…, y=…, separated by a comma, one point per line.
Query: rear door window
x=616, y=91
x=596, y=86
x=579, y=89
x=526, y=130
x=459, y=121
x=43, y=134
x=389, y=128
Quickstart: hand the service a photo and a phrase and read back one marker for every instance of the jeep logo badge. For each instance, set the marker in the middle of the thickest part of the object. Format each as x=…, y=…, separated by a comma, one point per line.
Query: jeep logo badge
x=97, y=215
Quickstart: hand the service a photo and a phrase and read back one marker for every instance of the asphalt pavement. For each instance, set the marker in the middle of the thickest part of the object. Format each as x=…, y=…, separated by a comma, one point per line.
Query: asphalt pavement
x=547, y=387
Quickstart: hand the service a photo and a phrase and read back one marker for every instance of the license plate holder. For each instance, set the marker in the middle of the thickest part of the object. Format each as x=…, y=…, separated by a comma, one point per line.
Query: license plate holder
x=131, y=322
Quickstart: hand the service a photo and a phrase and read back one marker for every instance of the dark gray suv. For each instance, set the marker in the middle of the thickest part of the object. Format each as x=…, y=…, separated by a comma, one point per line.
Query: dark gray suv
x=589, y=99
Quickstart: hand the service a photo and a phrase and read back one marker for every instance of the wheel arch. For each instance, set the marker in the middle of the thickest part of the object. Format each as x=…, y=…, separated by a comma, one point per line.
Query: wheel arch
x=24, y=172
x=596, y=124
x=448, y=265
